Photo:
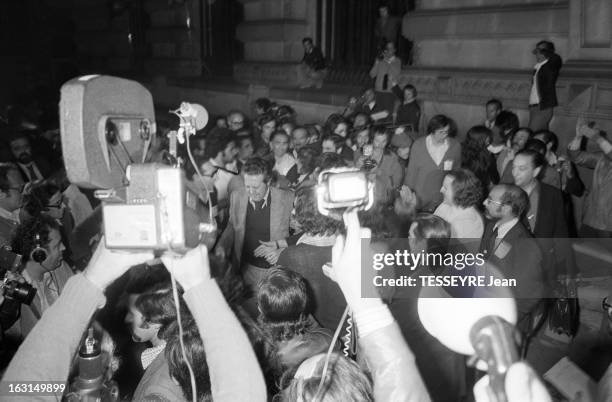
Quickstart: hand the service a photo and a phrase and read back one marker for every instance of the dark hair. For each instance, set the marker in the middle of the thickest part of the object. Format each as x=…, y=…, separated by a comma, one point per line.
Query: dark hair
x=217, y=140
x=154, y=299
x=195, y=353
x=537, y=158
x=255, y=166
x=282, y=296
x=265, y=119
x=507, y=122
x=242, y=138
x=434, y=230
x=523, y=129
x=437, y=122
x=285, y=114
x=356, y=133
x=307, y=39
x=547, y=48
x=516, y=198
x=495, y=102
x=24, y=238
x=5, y=168
x=412, y=88
x=467, y=188
x=308, y=158
x=535, y=145
x=283, y=300
x=474, y=153
x=367, y=118
x=36, y=200
x=329, y=160
x=308, y=216
x=263, y=103
x=337, y=139
x=279, y=132
x=549, y=138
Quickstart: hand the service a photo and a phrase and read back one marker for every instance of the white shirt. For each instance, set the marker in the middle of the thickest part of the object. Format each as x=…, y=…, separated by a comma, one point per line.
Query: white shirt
x=284, y=164
x=436, y=151
x=466, y=223
x=504, y=228
x=534, y=96
x=149, y=354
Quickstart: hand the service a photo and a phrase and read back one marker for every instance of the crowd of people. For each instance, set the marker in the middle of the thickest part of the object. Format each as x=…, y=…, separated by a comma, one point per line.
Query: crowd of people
x=259, y=311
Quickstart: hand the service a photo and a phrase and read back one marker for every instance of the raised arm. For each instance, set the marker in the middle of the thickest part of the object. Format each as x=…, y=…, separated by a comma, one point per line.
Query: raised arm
x=46, y=353
x=392, y=363
x=234, y=371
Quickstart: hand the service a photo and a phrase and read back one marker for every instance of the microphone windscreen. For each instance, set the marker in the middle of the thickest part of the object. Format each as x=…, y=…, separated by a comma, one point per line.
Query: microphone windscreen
x=201, y=116
x=450, y=320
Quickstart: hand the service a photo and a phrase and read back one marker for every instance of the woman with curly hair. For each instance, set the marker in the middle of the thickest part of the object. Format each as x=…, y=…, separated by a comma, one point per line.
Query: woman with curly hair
x=462, y=195
x=477, y=158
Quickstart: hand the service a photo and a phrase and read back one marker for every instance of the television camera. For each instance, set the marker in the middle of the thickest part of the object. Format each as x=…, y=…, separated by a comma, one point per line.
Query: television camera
x=107, y=126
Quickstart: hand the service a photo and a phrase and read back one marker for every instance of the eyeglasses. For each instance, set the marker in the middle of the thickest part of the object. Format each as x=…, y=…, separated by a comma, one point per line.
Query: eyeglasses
x=606, y=307
x=489, y=200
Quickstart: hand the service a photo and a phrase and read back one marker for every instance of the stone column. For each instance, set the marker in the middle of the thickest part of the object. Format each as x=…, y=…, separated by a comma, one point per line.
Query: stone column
x=272, y=34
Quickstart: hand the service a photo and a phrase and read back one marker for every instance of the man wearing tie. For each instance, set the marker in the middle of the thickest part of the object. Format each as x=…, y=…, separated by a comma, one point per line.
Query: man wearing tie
x=509, y=246
x=31, y=169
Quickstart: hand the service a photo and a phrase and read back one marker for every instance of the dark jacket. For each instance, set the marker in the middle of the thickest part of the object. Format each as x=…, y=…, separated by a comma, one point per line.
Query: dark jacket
x=307, y=260
x=551, y=232
x=518, y=257
x=546, y=80
x=314, y=59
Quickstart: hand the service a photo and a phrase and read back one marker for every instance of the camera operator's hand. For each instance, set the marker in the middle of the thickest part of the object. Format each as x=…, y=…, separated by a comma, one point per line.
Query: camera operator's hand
x=105, y=265
x=522, y=385
x=346, y=269
x=190, y=269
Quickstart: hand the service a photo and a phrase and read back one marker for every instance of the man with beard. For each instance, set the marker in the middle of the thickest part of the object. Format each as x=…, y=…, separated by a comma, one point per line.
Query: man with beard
x=31, y=168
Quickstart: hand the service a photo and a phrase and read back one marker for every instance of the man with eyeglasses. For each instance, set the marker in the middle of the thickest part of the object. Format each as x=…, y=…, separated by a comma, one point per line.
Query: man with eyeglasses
x=509, y=246
x=235, y=120
x=11, y=187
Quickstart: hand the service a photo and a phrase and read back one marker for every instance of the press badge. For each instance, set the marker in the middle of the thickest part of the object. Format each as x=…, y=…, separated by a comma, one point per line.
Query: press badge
x=448, y=165
x=502, y=250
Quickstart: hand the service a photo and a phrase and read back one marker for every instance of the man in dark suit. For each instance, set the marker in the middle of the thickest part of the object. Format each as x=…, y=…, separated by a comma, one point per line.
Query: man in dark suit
x=368, y=104
x=258, y=215
x=31, y=168
x=545, y=217
x=509, y=246
x=543, y=96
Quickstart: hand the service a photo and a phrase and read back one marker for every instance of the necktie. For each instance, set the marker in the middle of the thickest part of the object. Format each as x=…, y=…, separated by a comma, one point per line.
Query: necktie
x=492, y=243
x=32, y=172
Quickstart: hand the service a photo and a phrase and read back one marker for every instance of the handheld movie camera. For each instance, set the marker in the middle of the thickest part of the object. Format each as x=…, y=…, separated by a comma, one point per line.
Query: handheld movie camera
x=107, y=125
x=339, y=189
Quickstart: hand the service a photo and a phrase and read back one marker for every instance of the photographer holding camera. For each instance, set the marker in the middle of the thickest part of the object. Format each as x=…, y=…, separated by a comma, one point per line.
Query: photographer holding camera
x=386, y=73
x=39, y=243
